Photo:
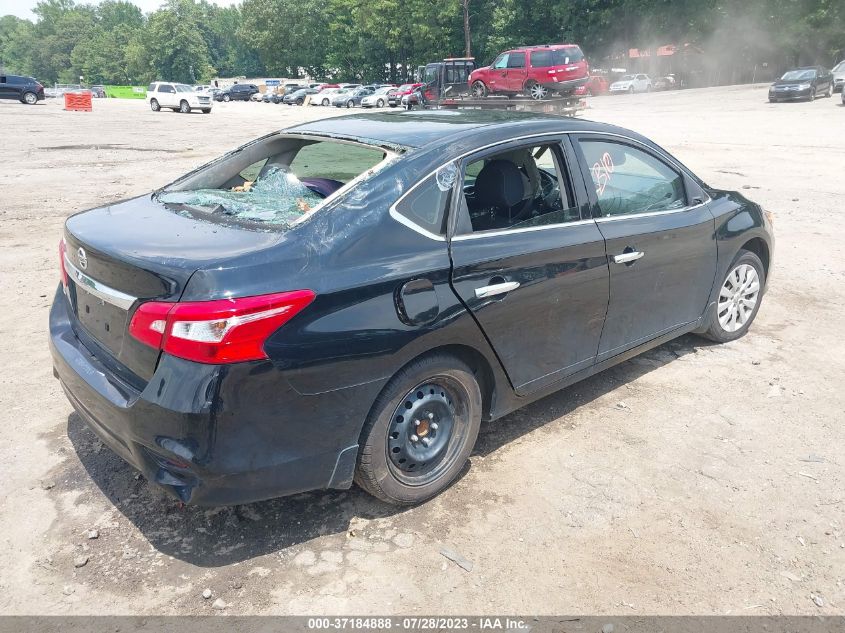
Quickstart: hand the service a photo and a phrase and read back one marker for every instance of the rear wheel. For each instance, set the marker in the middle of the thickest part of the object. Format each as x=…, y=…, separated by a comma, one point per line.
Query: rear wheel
x=380, y=103
x=227, y=98
x=325, y=102
x=536, y=91
x=420, y=431
x=154, y=106
x=479, y=90
x=30, y=98
x=206, y=110
x=184, y=107
x=812, y=93
x=738, y=300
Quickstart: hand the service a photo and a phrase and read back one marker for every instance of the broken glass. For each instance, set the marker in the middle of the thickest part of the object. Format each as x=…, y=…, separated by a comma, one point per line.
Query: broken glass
x=275, y=197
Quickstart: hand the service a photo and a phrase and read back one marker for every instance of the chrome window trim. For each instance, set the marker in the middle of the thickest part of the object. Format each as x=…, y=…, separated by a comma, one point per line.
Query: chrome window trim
x=98, y=289
x=442, y=238
x=524, y=229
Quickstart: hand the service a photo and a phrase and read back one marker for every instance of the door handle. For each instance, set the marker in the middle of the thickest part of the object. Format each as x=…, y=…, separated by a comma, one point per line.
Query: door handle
x=627, y=258
x=495, y=289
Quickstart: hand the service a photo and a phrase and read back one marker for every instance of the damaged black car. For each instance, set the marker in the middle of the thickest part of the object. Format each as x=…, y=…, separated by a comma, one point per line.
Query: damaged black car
x=346, y=300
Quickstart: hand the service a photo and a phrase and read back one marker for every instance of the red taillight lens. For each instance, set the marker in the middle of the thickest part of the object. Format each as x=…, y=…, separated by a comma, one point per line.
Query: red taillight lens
x=62, y=251
x=223, y=331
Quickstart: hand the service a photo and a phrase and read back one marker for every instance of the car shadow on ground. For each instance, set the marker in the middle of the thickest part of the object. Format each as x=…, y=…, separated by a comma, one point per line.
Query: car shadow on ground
x=214, y=537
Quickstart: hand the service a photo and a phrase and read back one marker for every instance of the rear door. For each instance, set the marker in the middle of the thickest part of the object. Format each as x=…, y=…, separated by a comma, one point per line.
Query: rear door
x=660, y=236
x=5, y=88
x=529, y=267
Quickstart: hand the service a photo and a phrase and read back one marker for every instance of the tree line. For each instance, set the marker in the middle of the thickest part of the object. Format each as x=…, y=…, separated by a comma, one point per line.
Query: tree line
x=192, y=41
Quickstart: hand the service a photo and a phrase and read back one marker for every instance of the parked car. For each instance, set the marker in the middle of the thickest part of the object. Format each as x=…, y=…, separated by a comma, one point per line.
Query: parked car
x=25, y=89
x=267, y=97
x=802, y=83
x=394, y=97
x=377, y=99
x=347, y=319
x=237, y=92
x=532, y=70
x=350, y=98
x=204, y=88
x=292, y=87
x=297, y=97
x=98, y=92
x=596, y=85
x=667, y=82
x=177, y=97
x=630, y=84
x=838, y=76
x=324, y=97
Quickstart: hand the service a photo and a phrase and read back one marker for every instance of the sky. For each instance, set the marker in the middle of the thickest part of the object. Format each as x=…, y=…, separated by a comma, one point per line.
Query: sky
x=23, y=8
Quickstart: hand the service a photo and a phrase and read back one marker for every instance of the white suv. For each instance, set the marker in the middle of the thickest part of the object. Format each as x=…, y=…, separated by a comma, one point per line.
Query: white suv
x=181, y=97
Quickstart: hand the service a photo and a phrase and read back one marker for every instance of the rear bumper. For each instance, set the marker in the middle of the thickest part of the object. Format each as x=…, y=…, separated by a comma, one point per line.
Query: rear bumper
x=214, y=435
x=565, y=86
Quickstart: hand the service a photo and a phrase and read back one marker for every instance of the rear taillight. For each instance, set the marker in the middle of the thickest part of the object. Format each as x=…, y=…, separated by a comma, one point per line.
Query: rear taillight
x=223, y=331
x=62, y=251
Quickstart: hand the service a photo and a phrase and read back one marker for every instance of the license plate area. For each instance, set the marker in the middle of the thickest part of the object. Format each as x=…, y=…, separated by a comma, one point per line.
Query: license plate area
x=102, y=320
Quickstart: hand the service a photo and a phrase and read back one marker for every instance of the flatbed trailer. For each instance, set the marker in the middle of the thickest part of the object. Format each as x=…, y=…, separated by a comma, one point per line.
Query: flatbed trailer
x=562, y=106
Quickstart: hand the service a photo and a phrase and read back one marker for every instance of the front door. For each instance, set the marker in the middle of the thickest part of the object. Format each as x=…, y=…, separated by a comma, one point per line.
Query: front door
x=661, y=242
x=531, y=270
x=515, y=79
x=499, y=73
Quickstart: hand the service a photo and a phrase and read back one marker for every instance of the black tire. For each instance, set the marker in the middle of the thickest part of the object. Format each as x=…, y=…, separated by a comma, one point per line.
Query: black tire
x=227, y=98
x=479, y=90
x=350, y=104
x=715, y=331
x=829, y=92
x=380, y=103
x=325, y=102
x=300, y=101
x=29, y=98
x=812, y=96
x=184, y=107
x=154, y=106
x=389, y=460
x=206, y=110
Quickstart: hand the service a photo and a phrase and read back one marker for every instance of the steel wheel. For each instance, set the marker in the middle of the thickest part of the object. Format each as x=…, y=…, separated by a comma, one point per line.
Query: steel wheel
x=738, y=297
x=30, y=98
x=421, y=431
x=427, y=429
x=537, y=91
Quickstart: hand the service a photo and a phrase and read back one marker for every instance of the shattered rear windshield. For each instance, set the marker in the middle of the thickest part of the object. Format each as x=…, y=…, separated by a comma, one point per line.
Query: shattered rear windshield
x=273, y=182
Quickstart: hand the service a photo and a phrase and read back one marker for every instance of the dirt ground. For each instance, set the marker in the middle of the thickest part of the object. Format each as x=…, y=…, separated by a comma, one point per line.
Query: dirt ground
x=697, y=478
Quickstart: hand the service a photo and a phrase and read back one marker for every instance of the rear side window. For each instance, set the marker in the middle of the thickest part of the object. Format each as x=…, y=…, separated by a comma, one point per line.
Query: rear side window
x=166, y=88
x=556, y=57
x=629, y=181
x=151, y=88
x=426, y=204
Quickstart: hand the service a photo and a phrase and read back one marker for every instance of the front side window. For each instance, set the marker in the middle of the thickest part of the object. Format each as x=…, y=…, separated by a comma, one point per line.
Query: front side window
x=519, y=188
x=629, y=181
x=184, y=88
x=516, y=60
x=501, y=61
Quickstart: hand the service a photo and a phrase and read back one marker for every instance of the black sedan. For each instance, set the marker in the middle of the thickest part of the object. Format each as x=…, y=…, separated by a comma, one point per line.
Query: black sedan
x=347, y=299
x=802, y=83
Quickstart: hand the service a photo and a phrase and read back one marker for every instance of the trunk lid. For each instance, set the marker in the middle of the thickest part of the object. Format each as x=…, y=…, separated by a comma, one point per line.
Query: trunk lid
x=132, y=251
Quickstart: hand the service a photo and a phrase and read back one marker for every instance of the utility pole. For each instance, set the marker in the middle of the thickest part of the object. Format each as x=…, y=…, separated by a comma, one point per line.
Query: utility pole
x=467, y=42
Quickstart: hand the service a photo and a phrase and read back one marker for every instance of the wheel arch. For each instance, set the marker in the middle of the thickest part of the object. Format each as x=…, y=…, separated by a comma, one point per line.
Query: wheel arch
x=758, y=246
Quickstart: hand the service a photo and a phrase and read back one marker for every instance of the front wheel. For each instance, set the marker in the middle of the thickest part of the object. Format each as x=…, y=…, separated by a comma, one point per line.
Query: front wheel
x=154, y=106
x=829, y=93
x=479, y=90
x=30, y=98
x=227, y=98
x=325, y=102
x=420, y=431
x=206, y=110
x=380, y=103
x=184, y=107
x=738, y=300
x=350, y=103
x=812, y=94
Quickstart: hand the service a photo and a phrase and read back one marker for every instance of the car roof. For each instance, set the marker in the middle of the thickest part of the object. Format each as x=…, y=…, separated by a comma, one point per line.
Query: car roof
x=429, y=128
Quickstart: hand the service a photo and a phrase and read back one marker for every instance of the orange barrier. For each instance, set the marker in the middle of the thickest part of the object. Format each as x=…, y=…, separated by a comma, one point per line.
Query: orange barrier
x=78, y=101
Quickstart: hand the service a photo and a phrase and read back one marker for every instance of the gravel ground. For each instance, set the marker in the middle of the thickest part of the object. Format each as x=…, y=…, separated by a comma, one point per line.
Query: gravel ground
x=696, y=478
